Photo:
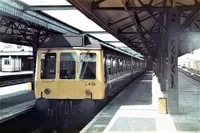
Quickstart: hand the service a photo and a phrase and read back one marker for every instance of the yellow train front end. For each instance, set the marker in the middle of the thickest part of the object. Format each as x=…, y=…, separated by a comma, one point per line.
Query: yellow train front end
x=69, y=76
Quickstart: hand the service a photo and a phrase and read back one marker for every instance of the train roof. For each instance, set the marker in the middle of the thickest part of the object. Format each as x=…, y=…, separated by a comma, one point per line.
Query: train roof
x=79, y=41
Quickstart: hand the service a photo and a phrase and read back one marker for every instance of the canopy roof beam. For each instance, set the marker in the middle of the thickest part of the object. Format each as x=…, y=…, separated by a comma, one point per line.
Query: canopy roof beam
x=112, y=41
x=96, y=3
x=144, y=8
x=95, y=32
x=50, y=7
x=193, y=16
x=110, y=24
x=125, y=27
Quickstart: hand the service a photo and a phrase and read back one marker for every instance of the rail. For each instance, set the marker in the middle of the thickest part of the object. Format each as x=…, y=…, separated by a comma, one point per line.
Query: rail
x=8, y=80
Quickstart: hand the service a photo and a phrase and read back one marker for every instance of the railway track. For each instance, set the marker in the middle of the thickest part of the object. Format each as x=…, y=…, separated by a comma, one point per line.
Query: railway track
x=15, y=79
x=24, y=123
x=34, y=122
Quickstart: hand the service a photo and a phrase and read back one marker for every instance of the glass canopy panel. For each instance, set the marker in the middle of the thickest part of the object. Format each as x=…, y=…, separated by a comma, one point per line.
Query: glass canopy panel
x=105, y=37
x=76, y=19
x=118, y=44
x=46, y=2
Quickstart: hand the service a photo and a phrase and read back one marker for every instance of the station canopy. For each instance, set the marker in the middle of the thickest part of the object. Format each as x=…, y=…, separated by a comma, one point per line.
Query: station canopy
x=78, y=20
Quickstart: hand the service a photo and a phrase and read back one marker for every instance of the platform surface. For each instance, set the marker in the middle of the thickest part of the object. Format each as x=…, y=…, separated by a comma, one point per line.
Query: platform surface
x=13, y=89
x=15, y=94
x=15, y=73
x=135, y=110
x=13, y=111
x=14, y=100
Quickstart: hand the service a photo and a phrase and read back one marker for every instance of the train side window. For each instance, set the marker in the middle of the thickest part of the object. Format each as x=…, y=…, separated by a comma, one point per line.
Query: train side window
x=87, y=66
x=6, y=62
x=120, y=65
x=67, y=65
x=48, y=66
x=134, y=66
x=108, y=66
x=114, y=65
x=124, y=65
x=117, y=65
x=129, y=64
x=117, y=68
x=111, y=66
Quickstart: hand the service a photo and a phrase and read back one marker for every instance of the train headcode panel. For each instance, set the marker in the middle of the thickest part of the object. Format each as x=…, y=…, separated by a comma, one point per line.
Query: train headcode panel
x=88, y=57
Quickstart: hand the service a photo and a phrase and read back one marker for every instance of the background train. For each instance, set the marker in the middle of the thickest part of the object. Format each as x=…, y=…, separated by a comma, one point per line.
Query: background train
x=74, y=74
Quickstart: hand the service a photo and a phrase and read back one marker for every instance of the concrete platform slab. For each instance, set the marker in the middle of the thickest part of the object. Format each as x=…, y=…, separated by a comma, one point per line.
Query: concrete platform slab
x=15, y=100
x=12, y=90
x=15, y=94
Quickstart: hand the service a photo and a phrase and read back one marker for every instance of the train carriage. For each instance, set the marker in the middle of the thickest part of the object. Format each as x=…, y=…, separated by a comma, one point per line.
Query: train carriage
x=76, y=72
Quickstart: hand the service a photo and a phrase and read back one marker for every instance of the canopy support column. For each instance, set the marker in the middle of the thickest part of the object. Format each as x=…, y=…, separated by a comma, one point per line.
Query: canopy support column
x=173, y=19
x=163, y=61
x=35, y=44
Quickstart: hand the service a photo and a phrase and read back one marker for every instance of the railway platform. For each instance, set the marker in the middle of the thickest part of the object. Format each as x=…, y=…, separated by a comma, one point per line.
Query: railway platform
x=14, y=78
x=2, y=74
x=15, y=100
x=135, y=109
x=190, y=74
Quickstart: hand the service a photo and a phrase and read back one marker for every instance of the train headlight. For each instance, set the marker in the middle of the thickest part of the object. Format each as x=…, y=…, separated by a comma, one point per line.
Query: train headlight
x=47, y=91
x=88, y=92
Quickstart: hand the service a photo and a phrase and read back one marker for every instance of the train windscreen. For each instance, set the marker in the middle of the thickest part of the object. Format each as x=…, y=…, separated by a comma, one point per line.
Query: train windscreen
x=87, y=66
x=67, y=65
x=48, y=66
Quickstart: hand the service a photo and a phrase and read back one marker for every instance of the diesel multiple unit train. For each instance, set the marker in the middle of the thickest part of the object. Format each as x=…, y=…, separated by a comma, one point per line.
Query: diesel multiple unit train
x=75, y=73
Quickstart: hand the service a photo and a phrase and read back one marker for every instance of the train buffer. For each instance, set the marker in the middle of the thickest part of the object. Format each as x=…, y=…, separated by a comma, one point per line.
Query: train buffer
x=136, y=109
x=15, y=100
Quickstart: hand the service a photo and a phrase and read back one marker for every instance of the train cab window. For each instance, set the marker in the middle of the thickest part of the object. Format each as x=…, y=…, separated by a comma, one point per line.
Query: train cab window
x=87, y=66
x=7, y=62
x=67, y=65
x=48, y=66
